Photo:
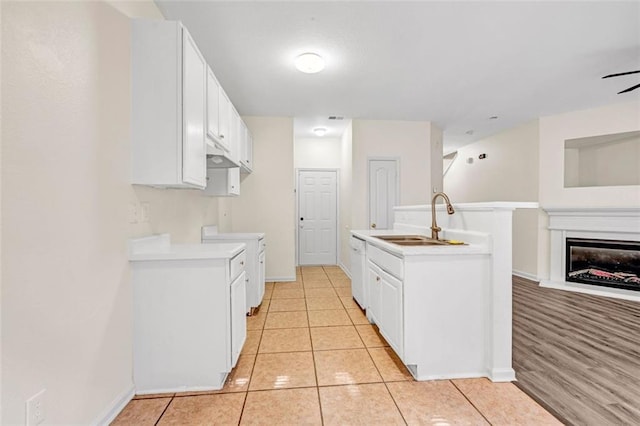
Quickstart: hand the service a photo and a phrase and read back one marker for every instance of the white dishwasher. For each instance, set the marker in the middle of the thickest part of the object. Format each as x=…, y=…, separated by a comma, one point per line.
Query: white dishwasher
x=255, y=268
x=358, y=267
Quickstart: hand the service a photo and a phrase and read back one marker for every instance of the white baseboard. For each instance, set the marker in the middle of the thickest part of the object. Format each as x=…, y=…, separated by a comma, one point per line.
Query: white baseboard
x=525, y=275
x=118, y=404
x=279, y=279
x=344, y=269
x=502, y=375
x=616, y=293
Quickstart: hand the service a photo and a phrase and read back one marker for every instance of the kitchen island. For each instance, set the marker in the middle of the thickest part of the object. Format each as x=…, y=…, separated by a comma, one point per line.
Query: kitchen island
x=444, y=309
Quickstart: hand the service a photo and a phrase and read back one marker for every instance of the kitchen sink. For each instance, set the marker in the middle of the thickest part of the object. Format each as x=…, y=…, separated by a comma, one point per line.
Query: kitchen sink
x=402, y=237
x=417, y=240
x=420, y=243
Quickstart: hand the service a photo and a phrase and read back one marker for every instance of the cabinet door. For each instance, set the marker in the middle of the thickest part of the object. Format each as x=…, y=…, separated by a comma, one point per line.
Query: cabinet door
x=234, y=133
x=249, y=150
x=194, y=74
x=213, y=107
x=261, y=276
x=373, y=284
x=224, y=118
x=390, y=324
x=223, y=182
x=238, y=317
x=243, y=143
x=246, y=149
x=233, y=176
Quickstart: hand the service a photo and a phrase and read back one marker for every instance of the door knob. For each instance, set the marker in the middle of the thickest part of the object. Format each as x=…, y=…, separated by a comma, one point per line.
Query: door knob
x=373, y=225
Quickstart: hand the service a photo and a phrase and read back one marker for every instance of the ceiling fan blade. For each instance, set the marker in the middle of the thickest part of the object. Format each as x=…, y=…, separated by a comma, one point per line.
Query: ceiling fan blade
x=630, y=89
x=621, y=73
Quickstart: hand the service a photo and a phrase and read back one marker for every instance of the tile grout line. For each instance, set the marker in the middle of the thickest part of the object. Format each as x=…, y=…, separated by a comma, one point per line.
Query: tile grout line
x=315, y=370
x=165, y=410
x=255, y=360
x=472, y=404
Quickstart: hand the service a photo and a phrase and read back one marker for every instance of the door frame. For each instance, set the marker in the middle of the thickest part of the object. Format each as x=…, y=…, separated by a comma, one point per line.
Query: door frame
x=297, y=208
x=369, y=159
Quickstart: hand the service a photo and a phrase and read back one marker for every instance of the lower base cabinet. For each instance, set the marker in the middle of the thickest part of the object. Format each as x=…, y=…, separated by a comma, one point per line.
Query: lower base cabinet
x=385, y=301
x=189, y=322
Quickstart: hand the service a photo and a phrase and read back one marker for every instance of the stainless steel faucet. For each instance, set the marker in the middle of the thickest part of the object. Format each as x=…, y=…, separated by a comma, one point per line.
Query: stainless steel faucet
x=434, y=226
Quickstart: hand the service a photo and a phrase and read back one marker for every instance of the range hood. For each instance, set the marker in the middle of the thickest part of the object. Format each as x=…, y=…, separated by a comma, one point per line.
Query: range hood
x=218, y=158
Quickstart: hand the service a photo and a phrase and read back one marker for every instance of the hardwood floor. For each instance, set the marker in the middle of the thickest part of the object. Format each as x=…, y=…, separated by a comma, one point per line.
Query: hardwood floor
x=578, y=355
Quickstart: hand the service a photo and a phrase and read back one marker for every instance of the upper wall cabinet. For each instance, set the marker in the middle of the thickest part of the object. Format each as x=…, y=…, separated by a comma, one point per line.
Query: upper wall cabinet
x=246, y=149
x=169, y=76
x=221, y=146
x=215, y=132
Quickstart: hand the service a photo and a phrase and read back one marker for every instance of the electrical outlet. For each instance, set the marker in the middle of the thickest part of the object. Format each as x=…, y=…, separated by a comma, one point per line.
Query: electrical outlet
x=145, y=211
x=35, y=409
x=133, y=213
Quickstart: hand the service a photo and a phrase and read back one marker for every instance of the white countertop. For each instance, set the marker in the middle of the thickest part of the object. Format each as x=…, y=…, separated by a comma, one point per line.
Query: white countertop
x=493, y=205
x=235, y=236
x=469, y=248
x=159, y=247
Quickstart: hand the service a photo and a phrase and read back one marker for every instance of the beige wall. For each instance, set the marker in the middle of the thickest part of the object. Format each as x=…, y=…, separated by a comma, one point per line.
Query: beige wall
x=267, y=201
x=346, y=177
x=509, y=173
x=66, y=198
x=407, y=140
x=317, y=153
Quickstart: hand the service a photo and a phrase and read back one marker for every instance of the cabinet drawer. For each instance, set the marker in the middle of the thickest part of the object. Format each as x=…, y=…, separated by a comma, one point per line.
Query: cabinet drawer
x=261, y=245
x=386, y=261
x=238, y=264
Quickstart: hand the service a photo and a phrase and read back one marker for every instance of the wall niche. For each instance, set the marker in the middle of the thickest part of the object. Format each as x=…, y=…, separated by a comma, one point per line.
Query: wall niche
x=604, y=160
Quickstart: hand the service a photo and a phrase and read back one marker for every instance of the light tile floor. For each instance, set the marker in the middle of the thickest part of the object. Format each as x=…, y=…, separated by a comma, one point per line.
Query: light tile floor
x=311, y=357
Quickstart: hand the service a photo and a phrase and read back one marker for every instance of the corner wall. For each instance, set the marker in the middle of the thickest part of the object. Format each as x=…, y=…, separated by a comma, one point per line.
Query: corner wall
x=509, y=173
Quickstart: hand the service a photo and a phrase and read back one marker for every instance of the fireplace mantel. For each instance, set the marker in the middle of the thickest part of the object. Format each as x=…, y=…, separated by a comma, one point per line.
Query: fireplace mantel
x=596, y=223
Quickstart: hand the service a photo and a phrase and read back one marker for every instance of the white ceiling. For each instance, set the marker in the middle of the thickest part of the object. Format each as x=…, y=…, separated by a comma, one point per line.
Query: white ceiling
x=453, y=63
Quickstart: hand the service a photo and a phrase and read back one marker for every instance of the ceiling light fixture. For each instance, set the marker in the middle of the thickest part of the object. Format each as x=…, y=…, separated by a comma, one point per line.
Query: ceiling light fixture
x=309, y=63
x=320, y=131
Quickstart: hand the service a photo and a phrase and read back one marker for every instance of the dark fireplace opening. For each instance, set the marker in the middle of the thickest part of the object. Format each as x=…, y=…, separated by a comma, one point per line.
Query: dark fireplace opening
x=608, y=263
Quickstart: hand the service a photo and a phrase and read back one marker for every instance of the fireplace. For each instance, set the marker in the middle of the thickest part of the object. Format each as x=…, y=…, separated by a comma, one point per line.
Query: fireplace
x=609, y=263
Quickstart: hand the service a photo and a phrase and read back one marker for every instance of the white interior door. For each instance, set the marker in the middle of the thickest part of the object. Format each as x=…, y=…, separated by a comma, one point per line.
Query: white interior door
x=383, y=193
x=317, y=217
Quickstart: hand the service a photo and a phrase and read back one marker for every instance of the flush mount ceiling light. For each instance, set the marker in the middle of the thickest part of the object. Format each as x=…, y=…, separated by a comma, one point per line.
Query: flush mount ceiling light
x=320, y=131
x=309, y=63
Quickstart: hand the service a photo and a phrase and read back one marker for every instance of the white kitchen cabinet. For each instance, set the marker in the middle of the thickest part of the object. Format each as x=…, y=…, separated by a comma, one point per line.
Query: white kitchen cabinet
x=223, y=182
x=358, y=268
x=373, y=290
x=225, y=117
x=262, y=265
x=385, y=305
x=255, y=267
x=168, y=106
x=390, y=314
x=221, y=146
x=214, y=132
x=235, y=124
x=246, y=151
x=189, y=319
x=238, y=315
